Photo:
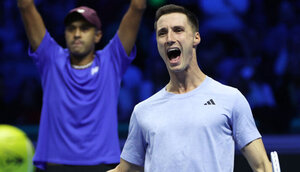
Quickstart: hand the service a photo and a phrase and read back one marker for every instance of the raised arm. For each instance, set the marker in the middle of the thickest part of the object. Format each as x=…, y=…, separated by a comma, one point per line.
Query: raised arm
x=130, y=23
x=33, y=23
x=256, y=156
x=125, y=166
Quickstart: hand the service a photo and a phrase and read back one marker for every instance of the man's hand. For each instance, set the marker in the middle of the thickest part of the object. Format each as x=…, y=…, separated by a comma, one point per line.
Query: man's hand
x=125, y=166
x=24, y=3
x=139, y=4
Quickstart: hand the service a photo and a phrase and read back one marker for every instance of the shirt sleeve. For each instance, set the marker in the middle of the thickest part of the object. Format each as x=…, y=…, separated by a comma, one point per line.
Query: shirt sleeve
x=119, y=57
x=244, y=128
x=46, y=53
x=134, y=148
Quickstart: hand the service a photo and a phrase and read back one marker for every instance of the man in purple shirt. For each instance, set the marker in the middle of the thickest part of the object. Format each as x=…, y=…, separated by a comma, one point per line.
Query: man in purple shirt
x=78, y=126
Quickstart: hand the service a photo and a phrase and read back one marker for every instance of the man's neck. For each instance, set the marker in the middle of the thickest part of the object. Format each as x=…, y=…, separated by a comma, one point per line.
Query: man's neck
x=186, y=81
x=82, y=61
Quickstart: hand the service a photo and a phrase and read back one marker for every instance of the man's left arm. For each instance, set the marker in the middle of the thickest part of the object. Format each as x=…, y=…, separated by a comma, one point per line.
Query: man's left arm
x=256, y=156
x=130, y=24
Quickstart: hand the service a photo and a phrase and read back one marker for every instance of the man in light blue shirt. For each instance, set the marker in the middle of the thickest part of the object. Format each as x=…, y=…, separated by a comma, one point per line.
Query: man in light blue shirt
x=194, y=122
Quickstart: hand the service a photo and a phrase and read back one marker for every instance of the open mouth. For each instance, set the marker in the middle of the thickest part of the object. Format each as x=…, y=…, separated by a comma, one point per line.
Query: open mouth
x=173, y=53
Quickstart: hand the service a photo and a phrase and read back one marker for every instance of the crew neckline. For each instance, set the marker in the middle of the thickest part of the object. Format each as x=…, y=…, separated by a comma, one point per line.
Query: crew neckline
x=82, y=66
x=192, y=92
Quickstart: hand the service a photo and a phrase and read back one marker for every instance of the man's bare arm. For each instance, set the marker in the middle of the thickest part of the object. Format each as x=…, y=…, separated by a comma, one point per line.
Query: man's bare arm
x=256, y=156
x=125, y=166
x=33, y=23
x=130, y=24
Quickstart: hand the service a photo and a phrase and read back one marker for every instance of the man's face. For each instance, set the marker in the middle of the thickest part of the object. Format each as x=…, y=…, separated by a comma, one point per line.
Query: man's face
x=81, y=38
x=176, y=40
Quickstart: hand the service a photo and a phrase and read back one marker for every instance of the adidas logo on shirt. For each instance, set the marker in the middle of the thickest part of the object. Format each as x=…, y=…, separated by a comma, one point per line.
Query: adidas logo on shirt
x=210, y=102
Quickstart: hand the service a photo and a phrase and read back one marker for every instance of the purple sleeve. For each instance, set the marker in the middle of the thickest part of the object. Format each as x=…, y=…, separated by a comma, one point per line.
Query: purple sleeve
x=45, y=54
x=119, y=58
x=244, y=128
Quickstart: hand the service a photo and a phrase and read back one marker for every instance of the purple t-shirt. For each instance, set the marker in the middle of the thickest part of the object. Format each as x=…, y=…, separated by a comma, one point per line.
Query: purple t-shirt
x=78, y=123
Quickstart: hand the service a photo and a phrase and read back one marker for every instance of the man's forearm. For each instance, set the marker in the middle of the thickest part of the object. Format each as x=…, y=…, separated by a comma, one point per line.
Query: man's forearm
x=33, y=23
x=130, y=23
x=256, y=156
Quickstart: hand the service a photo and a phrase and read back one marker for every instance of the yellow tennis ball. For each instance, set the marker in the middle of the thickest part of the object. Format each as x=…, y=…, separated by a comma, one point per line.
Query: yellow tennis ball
x=16, y=150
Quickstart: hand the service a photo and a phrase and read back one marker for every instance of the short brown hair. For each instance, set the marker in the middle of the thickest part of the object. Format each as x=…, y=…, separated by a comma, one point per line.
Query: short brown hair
x=171, y=8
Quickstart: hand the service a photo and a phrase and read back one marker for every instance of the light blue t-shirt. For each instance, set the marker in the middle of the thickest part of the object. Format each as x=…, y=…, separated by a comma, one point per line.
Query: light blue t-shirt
x=78, y=123
x=195, y=131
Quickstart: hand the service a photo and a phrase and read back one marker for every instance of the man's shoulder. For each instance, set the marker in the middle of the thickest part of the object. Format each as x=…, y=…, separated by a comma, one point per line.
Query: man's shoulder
x=152, y=100
x=218, y=87
x=110, y=48
x=223, y=92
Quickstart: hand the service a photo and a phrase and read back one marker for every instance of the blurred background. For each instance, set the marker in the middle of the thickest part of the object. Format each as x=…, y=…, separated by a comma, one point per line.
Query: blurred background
x=253, y=45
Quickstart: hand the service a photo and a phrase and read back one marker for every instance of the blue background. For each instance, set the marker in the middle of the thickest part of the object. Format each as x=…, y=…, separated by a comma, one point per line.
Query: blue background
x=253, y=45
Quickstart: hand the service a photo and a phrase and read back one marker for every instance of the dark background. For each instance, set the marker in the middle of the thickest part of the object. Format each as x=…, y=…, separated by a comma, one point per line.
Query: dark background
x=252, y=45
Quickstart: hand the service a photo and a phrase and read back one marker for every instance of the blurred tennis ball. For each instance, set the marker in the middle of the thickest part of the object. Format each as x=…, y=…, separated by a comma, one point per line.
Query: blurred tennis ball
x=16, y=150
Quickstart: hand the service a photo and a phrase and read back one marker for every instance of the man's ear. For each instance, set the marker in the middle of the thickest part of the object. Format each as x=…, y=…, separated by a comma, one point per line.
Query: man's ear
x=98, y=36
x=197, y=39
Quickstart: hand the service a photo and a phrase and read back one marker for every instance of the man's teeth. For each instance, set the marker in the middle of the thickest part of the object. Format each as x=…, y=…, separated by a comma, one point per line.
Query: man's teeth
x=172, y=49
x=173, y=53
